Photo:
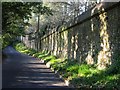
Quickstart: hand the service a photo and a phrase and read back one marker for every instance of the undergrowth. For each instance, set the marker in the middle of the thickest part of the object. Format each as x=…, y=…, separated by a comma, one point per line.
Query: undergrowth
x=79, y=75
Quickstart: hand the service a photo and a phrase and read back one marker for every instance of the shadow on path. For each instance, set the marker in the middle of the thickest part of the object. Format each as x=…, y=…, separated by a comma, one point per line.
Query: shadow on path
x=22, y=71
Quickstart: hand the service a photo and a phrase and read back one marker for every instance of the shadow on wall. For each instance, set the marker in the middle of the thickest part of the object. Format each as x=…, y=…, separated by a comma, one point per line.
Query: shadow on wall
x=89, y=42
x=96, y=40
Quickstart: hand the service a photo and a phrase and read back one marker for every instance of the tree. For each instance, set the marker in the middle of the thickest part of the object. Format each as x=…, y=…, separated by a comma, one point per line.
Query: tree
x=64, y=12
x=15, y=16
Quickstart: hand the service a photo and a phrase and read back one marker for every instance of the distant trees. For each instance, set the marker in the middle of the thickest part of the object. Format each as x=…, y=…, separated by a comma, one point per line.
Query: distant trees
x=15, y=16
x=63, y=12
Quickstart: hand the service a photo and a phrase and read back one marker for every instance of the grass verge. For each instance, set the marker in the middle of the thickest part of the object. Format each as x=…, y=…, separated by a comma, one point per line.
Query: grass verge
x=79, y=75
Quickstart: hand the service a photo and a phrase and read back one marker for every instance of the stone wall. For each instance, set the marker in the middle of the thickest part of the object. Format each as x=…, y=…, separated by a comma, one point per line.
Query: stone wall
x=93, y=37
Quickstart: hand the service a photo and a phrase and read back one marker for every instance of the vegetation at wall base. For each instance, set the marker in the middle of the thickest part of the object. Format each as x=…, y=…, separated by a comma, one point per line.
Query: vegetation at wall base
x=79, y=75
x=23, y=49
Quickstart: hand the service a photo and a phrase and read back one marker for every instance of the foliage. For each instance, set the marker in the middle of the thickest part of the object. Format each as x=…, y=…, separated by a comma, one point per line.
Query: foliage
x=80, y=76
x=63, y=12
x=48, y=58
x=23, y=49
x=85, y=76
x=97, y=80
x=15, y=17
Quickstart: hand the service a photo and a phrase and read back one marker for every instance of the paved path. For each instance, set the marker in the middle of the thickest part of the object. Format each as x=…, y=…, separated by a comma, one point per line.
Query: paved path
x=23, y=71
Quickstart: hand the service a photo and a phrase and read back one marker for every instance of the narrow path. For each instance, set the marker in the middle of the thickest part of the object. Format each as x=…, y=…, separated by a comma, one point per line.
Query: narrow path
x=23, y=71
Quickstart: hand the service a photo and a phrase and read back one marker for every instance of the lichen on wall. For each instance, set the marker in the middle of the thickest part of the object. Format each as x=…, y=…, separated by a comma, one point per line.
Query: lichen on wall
x=104, y=56
x=89, y=59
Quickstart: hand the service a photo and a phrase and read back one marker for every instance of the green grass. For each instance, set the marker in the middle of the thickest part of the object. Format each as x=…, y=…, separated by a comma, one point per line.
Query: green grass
x=80, y=75
x=91, y=77
x=97, y=80
x=23, y=49
x=84, y=75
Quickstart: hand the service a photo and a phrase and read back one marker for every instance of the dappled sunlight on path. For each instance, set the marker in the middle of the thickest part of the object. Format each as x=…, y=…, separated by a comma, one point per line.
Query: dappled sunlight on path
x=23, y=71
